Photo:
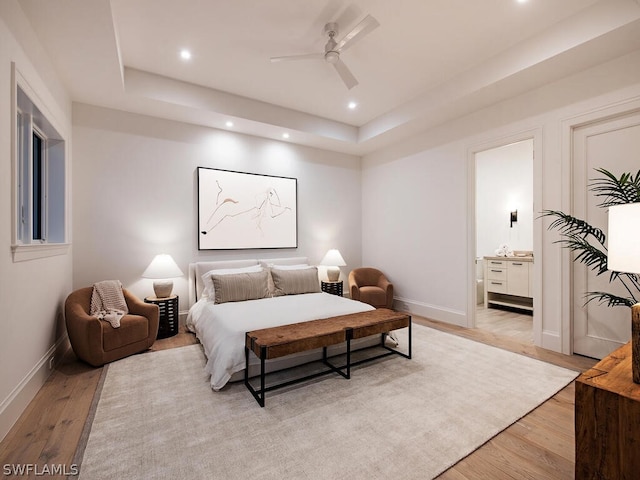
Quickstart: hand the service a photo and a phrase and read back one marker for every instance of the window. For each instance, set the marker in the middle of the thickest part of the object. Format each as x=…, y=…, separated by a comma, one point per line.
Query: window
x=40, y=182
x=37, y=187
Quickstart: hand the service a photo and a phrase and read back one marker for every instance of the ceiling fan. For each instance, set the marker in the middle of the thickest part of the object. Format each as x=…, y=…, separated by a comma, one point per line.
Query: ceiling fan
x=333, y=49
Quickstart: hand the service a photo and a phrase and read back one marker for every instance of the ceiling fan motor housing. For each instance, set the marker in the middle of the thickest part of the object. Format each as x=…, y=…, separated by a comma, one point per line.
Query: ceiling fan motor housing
x=331, y=55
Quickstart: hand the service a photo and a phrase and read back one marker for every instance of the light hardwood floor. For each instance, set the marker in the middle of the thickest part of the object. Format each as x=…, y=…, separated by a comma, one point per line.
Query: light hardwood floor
x=538, y=446
x=508, y=322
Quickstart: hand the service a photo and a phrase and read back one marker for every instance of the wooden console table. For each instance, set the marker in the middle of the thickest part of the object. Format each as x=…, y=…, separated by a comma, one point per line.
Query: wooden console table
x=607, y=420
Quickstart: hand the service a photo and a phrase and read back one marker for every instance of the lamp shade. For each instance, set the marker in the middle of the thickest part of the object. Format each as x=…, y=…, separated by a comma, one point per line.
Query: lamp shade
x=162, y=266
x=623, y=250
x=333, y=259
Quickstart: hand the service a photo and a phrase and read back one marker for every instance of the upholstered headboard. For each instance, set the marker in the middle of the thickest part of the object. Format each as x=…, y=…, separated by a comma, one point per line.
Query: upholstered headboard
x=265, y=262
x=196, y=270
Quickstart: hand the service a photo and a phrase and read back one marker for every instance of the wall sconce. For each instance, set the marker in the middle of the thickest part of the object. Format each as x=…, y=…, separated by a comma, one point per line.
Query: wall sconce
x=513, y=217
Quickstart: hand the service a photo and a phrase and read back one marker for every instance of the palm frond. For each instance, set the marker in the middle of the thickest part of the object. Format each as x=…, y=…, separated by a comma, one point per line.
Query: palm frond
x=631, y=277
x=587, y=254
x=610, y=299
x=568, y=225
x=616, y=191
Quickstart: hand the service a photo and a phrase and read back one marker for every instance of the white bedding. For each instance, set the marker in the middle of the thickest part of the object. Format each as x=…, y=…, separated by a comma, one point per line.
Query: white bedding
x=221, y=328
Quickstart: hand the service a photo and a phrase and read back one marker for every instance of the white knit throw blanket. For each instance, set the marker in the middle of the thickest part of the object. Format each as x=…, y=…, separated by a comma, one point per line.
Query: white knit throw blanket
x=107, y=302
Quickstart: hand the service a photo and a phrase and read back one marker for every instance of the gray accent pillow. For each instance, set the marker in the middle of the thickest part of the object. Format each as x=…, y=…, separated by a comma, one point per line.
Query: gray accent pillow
x=238, y=287
x=293, y=282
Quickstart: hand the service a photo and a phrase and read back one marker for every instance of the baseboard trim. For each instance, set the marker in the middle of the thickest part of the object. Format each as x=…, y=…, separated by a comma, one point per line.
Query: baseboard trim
x=18, y=400
x=432, y=312
x=551, y=341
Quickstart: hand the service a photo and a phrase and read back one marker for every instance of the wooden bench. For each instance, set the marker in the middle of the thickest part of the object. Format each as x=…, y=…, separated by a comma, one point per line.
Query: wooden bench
x=275, y=342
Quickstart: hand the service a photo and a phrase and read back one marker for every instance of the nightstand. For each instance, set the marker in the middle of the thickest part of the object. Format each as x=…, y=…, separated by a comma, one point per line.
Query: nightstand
x=334, y=288
x=168, y=326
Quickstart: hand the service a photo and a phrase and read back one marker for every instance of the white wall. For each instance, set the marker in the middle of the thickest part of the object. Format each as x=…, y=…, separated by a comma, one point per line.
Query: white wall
x=417, y=196
x=31, y=292
x=504, y=182
x=135, y=195
x=414, y=228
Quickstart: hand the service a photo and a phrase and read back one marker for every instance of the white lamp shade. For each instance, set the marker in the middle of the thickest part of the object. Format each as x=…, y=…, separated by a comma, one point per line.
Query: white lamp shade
x=333, y=259
x=623, y=250
x=162, y=266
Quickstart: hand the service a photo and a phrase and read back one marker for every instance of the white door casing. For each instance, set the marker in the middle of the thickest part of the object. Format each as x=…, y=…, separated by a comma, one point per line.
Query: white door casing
x=612, y=144
x=535, y=278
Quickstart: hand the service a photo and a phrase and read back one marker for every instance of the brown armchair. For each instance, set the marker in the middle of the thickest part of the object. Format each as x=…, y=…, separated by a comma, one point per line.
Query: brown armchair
x=96, y=341
x=369, y=285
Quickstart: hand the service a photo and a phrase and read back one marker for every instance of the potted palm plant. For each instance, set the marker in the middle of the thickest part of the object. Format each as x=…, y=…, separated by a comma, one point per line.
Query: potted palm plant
x=589, y=245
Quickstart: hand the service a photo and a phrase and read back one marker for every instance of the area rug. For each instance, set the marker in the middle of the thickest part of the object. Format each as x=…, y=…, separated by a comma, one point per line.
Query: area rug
x=157, y=416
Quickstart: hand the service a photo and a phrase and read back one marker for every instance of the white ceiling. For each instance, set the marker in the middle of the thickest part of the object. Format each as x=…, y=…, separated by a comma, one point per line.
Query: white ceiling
x=429, y=60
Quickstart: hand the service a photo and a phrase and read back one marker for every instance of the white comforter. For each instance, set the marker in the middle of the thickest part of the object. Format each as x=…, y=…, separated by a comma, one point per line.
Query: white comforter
x=221, y=328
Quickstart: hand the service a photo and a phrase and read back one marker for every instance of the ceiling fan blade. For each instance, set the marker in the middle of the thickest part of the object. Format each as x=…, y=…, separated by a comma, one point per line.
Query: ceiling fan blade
x=345, y=74
x=359, y=31
x=308, y=56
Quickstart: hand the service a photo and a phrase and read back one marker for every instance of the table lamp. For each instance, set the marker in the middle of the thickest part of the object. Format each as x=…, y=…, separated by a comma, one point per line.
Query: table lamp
x=163, y=269
x=333, y=261
x=623, y=255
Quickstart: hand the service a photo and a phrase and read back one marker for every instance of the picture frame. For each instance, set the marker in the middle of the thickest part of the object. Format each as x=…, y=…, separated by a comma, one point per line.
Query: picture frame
x=238, y=210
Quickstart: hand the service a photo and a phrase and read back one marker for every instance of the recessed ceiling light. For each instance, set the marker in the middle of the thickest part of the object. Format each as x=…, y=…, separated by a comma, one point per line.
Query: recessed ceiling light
x=285, y=135
x=229, y=123
x=522, y=1
x=352, y=105
x=185, y=54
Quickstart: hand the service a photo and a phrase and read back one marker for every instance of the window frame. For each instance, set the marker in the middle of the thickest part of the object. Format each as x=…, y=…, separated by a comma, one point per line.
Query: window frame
x=36, y=119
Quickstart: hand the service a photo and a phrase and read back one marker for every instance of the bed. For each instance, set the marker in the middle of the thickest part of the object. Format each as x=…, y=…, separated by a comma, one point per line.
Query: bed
x=229, y=298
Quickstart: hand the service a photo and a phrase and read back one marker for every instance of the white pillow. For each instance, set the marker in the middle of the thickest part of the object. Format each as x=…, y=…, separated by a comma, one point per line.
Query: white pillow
x=300, y=266
x=209, y=292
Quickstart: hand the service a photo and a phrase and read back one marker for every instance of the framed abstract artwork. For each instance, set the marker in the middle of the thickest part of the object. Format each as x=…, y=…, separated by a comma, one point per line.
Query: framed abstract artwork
x=239, y=210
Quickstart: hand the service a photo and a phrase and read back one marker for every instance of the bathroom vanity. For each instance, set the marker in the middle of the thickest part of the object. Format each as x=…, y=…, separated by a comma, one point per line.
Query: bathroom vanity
x=508, y=281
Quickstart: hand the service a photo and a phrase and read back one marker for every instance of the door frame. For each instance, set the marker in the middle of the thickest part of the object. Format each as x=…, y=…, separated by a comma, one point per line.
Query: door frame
x=534, y=134
x=569, y=126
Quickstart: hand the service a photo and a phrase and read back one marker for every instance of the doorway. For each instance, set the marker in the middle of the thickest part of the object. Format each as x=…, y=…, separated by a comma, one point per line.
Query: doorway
x=504, y=226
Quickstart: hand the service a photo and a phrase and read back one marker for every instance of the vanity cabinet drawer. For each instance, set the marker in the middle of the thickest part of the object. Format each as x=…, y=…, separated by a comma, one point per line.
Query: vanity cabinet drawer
x=497, y=286
x=494, y=273
x=496, y=263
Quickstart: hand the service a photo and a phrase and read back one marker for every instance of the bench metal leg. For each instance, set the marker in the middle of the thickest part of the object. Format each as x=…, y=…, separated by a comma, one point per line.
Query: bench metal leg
x=340, y=370
x=390, y=351
x=257, y=394
x=263, y=354
x=349, y=337
x=398, y=352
